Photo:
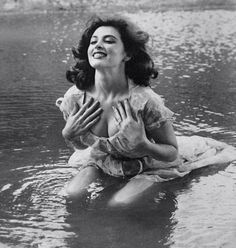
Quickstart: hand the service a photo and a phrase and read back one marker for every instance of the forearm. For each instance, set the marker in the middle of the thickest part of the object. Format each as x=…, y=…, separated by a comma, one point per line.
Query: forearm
x=163, y=152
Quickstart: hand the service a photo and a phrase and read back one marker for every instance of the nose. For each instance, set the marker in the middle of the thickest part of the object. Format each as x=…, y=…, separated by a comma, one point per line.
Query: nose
x=99, y=45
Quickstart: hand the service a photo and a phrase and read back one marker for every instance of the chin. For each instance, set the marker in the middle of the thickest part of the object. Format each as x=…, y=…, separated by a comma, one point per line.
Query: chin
x=99, y=65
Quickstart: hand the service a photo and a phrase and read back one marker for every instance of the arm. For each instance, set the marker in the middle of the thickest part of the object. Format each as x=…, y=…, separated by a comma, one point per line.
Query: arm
x=165, y=147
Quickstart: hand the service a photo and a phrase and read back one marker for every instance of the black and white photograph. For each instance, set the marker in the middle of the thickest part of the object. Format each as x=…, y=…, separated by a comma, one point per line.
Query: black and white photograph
x=118, y=123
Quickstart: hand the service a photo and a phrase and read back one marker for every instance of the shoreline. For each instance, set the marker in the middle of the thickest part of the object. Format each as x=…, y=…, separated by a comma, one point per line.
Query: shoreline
x=119, y=6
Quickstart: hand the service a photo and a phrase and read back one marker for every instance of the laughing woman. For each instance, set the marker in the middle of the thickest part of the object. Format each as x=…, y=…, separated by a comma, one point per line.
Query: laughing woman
x=117, y=124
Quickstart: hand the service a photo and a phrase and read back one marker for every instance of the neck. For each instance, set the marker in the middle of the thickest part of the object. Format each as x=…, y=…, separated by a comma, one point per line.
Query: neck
x=110, y=84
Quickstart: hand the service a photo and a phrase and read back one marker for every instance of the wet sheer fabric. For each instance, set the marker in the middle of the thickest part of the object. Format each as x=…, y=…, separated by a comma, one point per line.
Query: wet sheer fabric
x=103, y=153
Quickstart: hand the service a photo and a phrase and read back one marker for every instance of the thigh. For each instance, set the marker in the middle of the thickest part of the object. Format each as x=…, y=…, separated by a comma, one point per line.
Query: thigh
x=78, y=186
x=130, y=192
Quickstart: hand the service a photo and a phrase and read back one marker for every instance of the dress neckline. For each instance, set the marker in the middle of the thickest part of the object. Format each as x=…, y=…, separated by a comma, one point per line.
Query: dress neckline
x=132, y=87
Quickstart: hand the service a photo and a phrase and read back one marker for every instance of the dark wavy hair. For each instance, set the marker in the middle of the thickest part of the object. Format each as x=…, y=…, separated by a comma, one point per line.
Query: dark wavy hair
x=140, y=68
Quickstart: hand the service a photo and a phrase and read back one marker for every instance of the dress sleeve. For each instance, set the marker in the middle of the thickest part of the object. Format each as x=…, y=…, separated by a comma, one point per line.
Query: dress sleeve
x=67, y=103
x=155, y=112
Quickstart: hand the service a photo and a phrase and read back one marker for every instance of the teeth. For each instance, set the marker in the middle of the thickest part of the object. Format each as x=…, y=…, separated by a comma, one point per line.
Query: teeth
x=99, y=55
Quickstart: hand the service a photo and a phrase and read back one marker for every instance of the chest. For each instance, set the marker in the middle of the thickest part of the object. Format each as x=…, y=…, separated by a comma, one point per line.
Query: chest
x=106, y=126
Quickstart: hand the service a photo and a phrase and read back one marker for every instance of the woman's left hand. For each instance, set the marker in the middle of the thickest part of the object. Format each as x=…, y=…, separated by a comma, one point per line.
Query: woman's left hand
x=131, y=138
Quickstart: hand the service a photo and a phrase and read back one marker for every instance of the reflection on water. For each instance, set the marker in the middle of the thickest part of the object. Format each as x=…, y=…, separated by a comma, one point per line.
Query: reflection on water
x=195, y=53
x=200, y=225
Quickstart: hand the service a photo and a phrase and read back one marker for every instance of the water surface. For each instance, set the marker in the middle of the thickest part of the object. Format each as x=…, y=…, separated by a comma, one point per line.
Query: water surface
x=195, y=53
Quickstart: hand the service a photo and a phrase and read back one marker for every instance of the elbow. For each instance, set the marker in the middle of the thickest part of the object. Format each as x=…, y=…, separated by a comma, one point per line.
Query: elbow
x=173, y=155
x=172, y=158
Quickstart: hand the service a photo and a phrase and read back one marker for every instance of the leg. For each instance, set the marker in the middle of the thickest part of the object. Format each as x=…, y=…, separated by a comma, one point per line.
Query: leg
x=130, y=192
x=77, y=187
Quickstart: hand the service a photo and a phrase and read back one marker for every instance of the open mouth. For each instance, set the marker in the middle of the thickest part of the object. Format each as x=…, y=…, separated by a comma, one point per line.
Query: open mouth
x=98, y=55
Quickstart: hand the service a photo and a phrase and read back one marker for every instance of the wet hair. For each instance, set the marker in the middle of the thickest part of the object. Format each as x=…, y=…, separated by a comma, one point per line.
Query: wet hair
x=139, y=68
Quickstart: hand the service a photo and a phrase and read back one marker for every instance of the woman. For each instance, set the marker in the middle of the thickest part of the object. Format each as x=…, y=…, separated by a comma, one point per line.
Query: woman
x=118, y=125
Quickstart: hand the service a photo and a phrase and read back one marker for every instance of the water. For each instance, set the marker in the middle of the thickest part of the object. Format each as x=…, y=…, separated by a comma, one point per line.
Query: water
x=195, y=53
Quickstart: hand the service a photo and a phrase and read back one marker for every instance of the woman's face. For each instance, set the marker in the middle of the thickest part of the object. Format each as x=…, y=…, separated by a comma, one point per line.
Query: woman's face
x=106, y=48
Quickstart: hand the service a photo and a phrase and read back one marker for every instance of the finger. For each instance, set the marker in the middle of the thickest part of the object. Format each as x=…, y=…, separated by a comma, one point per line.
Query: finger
x=121, y=110
x=117, y=115
x=139, y=118
x=113, y=144
x=90, y=110
x=117, y=145
x=118, y=123
x=128, y=108
x=93, y=122
x=92, y=116
x=75, y=109
x=84, y=98
x=121, y=143
x=85, y=106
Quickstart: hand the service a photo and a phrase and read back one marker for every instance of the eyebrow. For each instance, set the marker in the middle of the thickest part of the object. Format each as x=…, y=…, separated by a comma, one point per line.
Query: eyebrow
x=105, y=36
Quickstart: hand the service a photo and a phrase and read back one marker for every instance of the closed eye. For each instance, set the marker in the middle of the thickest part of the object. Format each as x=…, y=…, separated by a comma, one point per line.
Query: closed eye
x=92, y=42
x=109, y=41
x=107, y=38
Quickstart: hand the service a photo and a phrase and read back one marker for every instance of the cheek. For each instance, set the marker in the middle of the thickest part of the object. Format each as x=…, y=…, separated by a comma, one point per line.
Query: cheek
x=89, y=52
x=89, y=55
x=115, y=52
x=120, y=52
x=120, y=55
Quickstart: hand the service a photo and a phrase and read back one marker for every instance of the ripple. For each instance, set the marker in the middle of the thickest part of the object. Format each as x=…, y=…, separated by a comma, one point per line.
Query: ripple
x=195, y=54
x=5, y=187
x=199, y=223
x=38, y=210
x=190, y=35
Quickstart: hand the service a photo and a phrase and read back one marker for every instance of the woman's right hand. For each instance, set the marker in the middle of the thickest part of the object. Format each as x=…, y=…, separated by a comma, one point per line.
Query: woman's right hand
x=81, y=120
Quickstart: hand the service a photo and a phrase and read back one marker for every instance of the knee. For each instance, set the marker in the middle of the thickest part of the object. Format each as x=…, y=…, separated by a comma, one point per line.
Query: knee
x=73, y=193
x=78, y=186
x=130, y=193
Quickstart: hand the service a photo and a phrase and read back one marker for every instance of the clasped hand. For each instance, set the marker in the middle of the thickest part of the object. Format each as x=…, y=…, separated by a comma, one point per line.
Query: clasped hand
x=131, y=139
x=81, y=120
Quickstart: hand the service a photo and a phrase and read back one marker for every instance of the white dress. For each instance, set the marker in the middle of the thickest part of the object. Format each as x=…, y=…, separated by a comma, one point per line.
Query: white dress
x=194, y=152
